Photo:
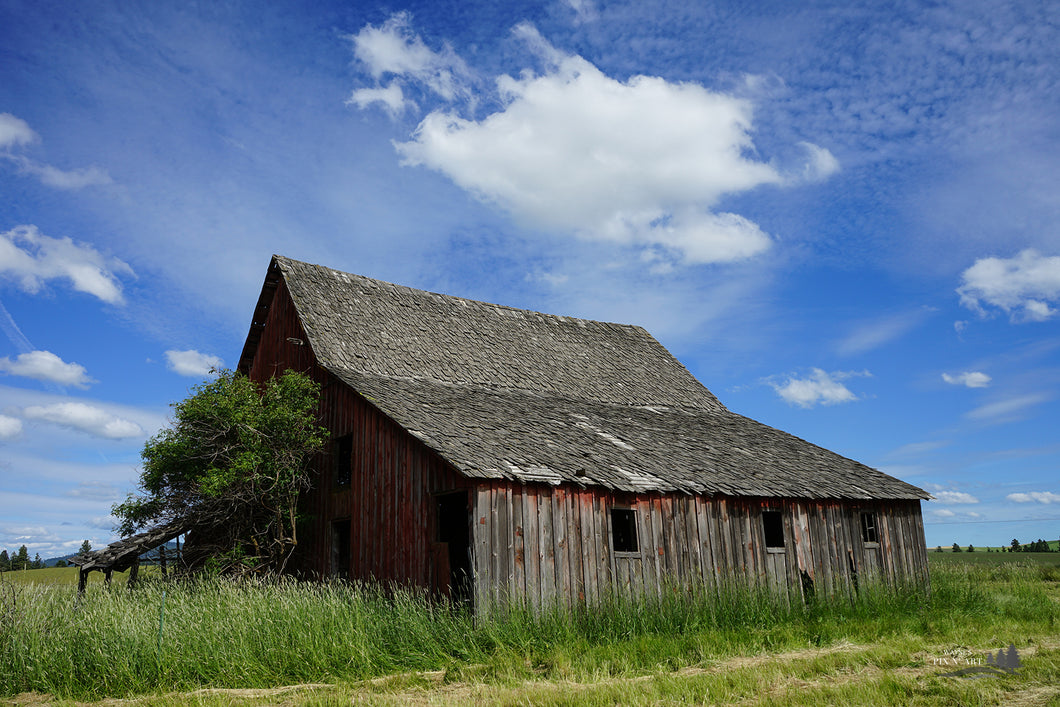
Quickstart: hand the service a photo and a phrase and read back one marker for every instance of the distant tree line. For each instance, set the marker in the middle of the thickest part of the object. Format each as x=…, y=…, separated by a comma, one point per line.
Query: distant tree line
x=20, y=560
x=1038, y=545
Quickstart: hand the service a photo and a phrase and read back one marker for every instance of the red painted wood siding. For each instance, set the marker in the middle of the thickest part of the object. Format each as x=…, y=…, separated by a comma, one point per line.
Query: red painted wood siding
x=389, y=503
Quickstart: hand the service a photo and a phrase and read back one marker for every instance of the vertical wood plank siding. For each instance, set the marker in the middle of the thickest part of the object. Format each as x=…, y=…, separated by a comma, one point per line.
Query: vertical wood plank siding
x=684, y=541
x=389, y=503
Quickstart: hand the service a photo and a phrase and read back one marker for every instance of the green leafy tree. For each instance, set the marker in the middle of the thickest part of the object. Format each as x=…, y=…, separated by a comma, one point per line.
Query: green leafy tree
x=61, y=563
x=5, y=561
x=231, y=466
x=86, y=547
x=37, y=563
x=21, y=560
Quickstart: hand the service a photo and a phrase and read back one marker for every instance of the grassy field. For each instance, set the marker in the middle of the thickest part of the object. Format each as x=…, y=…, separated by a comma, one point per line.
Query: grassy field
x=310, y=644
x=68, y=576
x=993, y=559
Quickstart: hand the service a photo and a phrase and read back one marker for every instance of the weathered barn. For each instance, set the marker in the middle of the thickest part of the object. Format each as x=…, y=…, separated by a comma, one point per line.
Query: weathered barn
x=500, y=454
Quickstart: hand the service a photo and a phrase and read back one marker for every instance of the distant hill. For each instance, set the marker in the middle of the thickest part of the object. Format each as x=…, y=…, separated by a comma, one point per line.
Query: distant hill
x=50, y=562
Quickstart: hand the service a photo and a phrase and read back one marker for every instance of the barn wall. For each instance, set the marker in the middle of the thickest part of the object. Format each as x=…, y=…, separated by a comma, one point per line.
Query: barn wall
x=389, y=503
x=541, y=544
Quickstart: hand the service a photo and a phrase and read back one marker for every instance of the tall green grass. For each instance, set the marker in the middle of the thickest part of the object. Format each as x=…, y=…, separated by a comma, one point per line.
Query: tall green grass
x=259, y=634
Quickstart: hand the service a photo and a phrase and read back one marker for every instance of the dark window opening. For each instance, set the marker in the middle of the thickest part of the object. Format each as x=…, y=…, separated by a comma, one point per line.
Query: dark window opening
x=340, y=549
x=624, y=529
x=343, y=460
x=773, y=528
x=868, y=528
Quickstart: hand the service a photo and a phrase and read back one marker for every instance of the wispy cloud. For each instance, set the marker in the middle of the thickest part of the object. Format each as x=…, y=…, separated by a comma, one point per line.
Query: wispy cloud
x=916, y=448
x=94, y=491
x=954, y=497
x=31, y=258
x=584, y=10
x=15, y=133
x=871, y=335
x=1045, y=497
x=46, y=366
x=10, y=427
x=969, y=379
x=818, y=388
x=1024, y=286
x=1007, y=409
x=191, y=363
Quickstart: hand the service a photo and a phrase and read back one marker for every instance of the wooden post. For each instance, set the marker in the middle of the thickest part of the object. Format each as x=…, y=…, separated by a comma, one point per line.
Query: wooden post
x=134, y=572
x=82, y=580
x=162, y=559
x=107, y=575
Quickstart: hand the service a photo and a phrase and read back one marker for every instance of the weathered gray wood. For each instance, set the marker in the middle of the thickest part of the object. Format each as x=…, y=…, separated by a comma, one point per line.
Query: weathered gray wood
x=601, y=506
x=548, y=550
x=654, y=568
x=532, y=540
x=481, y=544
x=692, y=549
x=560, y=547
x=674, y=571
x=589, y=555
x=575, y=553
x=518, y=545
x=502, y=502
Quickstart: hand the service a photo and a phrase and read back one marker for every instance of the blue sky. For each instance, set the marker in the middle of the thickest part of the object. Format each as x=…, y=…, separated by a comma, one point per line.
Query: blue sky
x=841, y=217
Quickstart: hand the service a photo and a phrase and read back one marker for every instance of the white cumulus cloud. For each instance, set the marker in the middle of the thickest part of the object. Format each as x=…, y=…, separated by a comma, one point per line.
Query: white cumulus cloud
x=1024, y=286
x=395, y=50
x=192, y=363
x=970, y=379
x=1035, y=497
x=819, y=388
x=46, y=366
x=85, y=418
x=10, y=427
x=641, y=162
x=31, y=258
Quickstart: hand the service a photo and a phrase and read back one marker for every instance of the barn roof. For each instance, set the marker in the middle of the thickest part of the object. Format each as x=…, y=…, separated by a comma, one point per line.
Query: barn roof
x=512, y=394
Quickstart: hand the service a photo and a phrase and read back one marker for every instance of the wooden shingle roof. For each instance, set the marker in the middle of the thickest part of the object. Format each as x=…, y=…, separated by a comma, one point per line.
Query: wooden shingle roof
x=513, y=394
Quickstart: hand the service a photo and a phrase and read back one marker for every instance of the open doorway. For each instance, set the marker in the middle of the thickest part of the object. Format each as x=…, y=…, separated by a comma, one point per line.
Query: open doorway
x=340, y=549
x=454, y=530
